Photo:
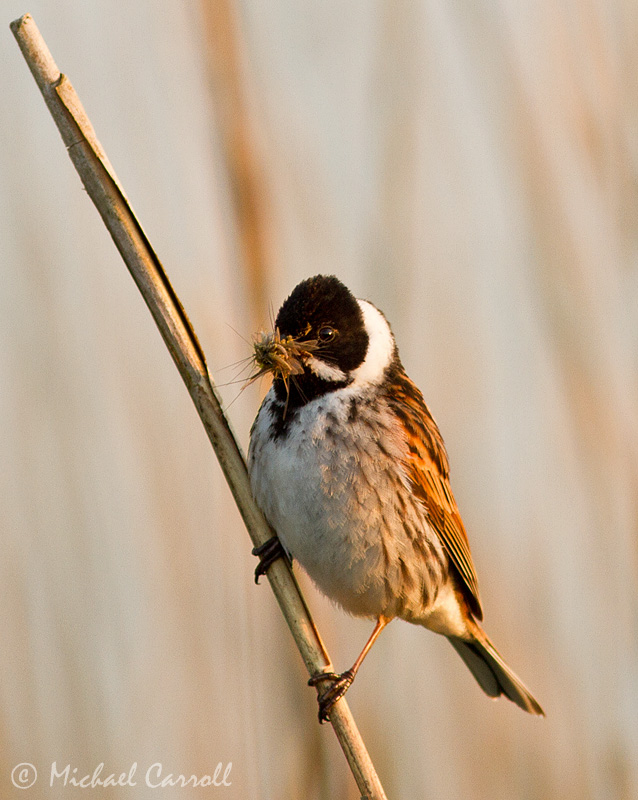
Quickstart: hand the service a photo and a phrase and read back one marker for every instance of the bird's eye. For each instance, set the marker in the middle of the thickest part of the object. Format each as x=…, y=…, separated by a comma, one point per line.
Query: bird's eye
x=326, y=333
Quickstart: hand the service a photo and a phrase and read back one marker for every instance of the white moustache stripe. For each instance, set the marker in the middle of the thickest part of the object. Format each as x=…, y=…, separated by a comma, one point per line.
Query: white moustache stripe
x=380, y=347
x=325, y=371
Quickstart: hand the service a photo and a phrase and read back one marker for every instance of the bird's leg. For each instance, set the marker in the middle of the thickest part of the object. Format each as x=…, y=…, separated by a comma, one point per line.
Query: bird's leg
x=339, y=684
x=268, y=552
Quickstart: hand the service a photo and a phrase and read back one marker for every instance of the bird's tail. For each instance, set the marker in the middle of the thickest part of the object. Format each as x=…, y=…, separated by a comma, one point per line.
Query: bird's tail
x=491, y=672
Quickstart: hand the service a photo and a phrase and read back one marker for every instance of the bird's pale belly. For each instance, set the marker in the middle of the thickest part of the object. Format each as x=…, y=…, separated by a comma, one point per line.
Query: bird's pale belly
x=345, y=512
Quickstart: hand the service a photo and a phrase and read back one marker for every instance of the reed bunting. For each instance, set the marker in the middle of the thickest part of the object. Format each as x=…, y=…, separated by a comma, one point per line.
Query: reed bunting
x=349, y=467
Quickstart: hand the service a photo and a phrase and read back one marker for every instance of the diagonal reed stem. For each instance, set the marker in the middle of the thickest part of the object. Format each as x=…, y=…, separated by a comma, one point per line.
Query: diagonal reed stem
x=103, y=187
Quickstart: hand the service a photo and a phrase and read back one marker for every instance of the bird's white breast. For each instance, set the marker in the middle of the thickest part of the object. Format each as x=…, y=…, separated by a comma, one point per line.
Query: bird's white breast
x=334, y=488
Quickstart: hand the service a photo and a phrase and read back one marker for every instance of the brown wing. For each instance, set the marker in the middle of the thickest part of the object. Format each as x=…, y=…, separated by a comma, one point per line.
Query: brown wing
x=428, y=470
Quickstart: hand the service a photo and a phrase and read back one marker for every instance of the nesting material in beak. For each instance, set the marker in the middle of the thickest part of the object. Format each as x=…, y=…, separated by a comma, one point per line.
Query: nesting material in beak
x=281, y=357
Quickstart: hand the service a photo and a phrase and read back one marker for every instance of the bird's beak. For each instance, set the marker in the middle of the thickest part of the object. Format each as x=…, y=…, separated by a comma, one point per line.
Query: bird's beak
x=279, y=356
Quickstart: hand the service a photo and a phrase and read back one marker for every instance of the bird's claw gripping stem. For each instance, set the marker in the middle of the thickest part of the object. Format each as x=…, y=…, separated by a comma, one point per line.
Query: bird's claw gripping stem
x=339, y=685
x=268, y=553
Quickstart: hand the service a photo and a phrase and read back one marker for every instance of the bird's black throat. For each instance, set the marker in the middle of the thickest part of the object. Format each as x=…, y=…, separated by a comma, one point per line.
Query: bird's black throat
x=296, y=392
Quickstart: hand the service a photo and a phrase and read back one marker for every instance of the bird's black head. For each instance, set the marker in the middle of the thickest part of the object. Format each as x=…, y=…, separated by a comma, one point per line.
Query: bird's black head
x=323, y=310
x=324, y=313
x=324, y=339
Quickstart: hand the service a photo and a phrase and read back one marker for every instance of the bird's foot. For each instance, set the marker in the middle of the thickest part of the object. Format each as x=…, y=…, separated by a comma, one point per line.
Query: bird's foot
x=339, y=685
x=268, y=553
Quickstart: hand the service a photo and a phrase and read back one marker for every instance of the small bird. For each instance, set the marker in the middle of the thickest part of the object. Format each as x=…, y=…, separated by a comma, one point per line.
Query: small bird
x=349, y=467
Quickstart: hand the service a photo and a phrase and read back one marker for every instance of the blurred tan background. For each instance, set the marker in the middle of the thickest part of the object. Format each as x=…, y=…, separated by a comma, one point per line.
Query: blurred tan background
x=472, y=169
